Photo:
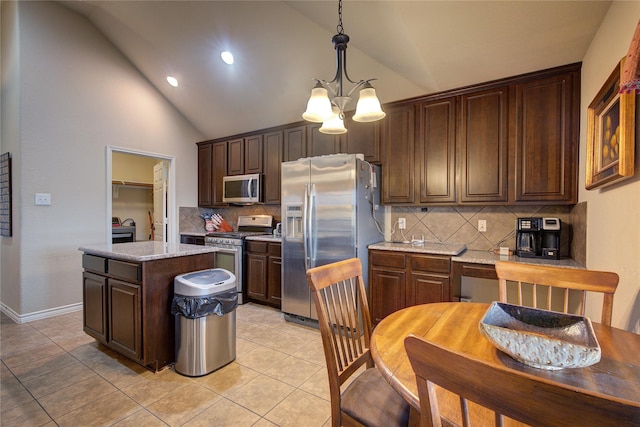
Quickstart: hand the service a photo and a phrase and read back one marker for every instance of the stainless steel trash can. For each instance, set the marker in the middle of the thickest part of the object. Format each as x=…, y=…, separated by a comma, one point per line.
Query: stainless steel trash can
x=204, y=306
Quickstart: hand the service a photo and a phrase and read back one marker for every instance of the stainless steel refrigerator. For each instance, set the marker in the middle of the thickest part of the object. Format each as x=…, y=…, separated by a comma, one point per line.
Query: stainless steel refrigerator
x=327, y=212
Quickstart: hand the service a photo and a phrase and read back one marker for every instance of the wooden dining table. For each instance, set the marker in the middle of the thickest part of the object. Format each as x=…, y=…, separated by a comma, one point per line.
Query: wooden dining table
x=615, y=378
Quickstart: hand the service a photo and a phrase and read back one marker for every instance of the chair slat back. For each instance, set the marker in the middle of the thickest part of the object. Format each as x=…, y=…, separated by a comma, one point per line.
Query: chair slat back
x=552, y=277
x=343, y=316
x=507, y=392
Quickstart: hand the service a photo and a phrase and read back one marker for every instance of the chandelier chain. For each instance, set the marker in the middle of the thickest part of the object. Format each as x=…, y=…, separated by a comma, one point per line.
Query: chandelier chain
x=329, y=110
x=339, y=28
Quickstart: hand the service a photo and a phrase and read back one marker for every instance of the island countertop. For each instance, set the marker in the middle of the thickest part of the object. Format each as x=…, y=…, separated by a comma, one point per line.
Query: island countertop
x=145, y=251
x=426, y=248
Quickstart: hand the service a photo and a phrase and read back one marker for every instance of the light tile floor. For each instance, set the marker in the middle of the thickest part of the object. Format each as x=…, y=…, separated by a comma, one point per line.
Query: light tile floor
x=52, y=373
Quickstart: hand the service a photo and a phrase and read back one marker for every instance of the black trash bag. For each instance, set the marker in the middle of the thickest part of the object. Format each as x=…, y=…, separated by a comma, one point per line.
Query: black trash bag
x=195, y=307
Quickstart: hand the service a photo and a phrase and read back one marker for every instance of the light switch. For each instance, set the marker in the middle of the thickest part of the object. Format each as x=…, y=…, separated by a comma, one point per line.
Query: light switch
x=43, y=199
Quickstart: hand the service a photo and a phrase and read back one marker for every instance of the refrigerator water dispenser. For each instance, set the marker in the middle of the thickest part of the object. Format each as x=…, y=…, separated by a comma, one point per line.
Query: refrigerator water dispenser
x=293, y=222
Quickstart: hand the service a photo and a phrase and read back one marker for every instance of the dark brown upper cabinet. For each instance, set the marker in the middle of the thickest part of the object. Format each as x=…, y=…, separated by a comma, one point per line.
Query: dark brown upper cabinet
x=483, y=139
x=398, y=157
x=205, y=174
x=362, y=138
x=506, y=142
x=235, y=164
x=273, y=143
x=253, y=152
x=219, y=171
x=245, y=155
x=436, y=151
x=546, y=139
x=212, y=166
x=320, y=144
x=295, y=143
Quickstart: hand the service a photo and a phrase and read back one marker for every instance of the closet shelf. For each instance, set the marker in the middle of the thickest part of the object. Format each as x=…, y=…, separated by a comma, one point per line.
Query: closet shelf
x=132, y=184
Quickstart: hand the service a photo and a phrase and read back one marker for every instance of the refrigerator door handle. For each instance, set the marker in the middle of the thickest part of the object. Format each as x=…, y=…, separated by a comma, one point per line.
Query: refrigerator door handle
x=310, y=235
x=305, y=234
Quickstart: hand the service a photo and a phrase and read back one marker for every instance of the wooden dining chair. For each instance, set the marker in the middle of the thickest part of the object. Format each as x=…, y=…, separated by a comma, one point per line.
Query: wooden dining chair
x=345, y=325
x=501, y=392
x=567, y=279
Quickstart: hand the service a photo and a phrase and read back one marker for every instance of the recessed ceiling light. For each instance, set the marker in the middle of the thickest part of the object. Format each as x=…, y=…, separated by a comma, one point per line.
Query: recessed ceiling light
x=172, y=81
x=227, y=57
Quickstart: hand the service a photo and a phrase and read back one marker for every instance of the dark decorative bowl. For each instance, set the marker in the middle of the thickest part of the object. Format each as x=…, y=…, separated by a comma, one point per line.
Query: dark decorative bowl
x=541, y=338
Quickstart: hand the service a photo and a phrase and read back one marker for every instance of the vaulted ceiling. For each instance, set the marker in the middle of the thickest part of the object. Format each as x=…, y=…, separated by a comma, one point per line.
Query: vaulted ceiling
x=412, y=47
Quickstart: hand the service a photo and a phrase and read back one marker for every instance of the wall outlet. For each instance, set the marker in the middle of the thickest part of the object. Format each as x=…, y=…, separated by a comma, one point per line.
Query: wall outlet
x=402, y=223
x=482, y=225
x=43, y=199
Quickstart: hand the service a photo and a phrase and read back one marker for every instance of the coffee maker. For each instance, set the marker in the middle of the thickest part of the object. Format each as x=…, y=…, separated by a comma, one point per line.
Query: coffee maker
x=538, y=237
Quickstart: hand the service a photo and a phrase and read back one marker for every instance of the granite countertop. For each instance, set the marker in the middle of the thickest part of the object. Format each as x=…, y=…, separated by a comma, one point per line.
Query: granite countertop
x=487, y=257
x=426, y=248
x=266, y=238
x=145, y=251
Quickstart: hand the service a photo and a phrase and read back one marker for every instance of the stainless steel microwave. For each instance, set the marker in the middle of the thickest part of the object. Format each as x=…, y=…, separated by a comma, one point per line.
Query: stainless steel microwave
x=242, y=189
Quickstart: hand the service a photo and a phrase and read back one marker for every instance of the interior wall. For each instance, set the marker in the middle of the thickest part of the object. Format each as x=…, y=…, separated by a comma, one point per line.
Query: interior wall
x=613, y=218
x=78, y=95
x=9, y=143
x=134, y=203
x=132, y=168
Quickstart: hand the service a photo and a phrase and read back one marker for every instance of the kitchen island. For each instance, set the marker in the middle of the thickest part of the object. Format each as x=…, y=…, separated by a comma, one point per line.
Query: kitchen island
x=127, y=294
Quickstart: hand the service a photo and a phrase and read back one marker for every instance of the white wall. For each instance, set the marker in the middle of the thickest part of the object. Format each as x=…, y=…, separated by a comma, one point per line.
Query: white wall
x=134, y=203
x=613, y=214
x=77, y=95
x=132, y=168
x=9, y=142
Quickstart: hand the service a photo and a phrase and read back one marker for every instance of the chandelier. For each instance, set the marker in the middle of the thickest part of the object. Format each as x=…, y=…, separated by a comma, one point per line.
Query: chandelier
x=330, y=111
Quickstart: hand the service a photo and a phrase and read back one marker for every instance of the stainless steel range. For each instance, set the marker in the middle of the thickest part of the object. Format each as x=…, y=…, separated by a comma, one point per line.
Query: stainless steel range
x=230, y=254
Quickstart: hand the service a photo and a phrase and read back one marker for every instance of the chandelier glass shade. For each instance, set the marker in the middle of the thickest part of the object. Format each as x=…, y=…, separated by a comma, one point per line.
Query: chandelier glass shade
x=334, y=125
x=319, y=106
x=368, y=108
x=327, y=102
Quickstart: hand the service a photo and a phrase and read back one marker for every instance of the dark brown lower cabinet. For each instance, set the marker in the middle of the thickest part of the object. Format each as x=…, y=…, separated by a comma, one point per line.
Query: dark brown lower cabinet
x=388, y=292
x=127, y=305
x=263, y=272
x=125, y=318
x=192, y=240
x=402, y=279
x=274, y=276
x=94, y=292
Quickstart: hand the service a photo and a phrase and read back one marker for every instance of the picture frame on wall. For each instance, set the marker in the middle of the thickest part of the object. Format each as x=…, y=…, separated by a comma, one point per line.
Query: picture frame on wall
x=6, y=226
x=610, y=134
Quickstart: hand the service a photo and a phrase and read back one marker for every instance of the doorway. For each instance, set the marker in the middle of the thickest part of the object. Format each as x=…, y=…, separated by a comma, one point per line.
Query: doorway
x=141, y=190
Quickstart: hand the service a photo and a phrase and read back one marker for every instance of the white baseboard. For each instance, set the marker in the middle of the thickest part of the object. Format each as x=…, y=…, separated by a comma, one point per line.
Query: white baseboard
x=44, y=314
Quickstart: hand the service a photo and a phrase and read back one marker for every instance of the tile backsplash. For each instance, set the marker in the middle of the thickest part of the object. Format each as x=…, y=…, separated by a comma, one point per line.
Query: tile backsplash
x=192, y=222
x=459, y=224
x=442, y=224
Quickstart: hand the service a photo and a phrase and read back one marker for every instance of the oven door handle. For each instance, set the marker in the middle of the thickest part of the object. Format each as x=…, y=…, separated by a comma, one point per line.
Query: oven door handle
x=227, y=250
